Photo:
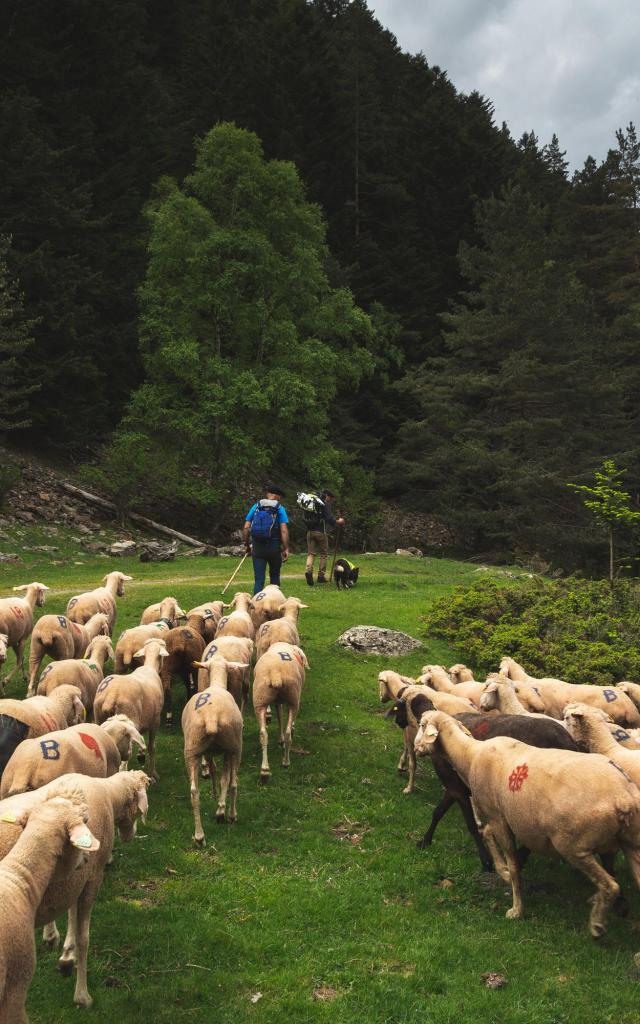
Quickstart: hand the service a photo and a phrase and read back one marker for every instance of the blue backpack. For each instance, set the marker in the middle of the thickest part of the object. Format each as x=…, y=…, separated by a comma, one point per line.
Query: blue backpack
x=264, y=519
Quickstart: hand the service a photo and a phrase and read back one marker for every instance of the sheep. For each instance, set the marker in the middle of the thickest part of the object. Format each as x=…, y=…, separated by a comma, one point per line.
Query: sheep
x=460, y=674
x=538, y=731
x=124, y=734
x=185, y=646
x=86, y=749
x=278, y=679
x=86, y=673
x=53, y=832
x=131, y=640
x=556, y=694
x=155, y=613
x=212, y=613
x=16, y=621
x=35, y=716
x=116, y=800
x=632, y=691
x=284, y=629
x=237, y=651
x=438, y=677
x=59, y=638
x=500, y=695
x=591, y=730
x=266, y=605
x=212, y=724
x=239, y=622
x=393, y=686
x=139, y=695
x=574, y=805
x=102, y=599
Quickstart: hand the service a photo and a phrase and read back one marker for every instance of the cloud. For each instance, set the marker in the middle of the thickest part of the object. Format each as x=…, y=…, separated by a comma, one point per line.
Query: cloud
x=563, y=66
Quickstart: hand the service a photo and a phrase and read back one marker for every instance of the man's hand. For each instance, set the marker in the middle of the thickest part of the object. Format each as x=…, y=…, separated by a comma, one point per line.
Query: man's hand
x=285, y=554
x=247, y=549
x=340, y=521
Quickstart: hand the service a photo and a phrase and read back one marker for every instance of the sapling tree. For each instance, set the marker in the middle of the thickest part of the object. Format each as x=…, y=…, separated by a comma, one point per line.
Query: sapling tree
x=609, y=504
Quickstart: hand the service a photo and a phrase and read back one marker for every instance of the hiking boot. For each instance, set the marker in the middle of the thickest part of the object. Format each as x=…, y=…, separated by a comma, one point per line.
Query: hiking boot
x=309, y=577
x=322, y=578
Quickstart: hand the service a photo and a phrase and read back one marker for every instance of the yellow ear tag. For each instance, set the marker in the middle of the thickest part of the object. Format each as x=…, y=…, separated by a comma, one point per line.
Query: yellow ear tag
x=83, y=842
x=7, y=816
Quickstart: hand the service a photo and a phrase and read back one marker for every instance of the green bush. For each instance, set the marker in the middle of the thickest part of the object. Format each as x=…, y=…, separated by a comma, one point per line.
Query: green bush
x=10, y=474
x=579, y=630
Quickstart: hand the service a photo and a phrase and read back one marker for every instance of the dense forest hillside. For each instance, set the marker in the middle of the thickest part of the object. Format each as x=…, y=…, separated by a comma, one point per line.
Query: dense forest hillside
x=462, y=331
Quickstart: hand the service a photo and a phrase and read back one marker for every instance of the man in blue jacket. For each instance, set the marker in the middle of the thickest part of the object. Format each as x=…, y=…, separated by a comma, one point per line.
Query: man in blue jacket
x=266, y=536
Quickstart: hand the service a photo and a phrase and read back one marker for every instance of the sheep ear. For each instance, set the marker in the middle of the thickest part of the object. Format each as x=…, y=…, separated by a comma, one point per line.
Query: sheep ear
x=139, y=654
x=237, y=664
x=431, y=733
x=23, y=586
x=80, y=709
x=19, y=816
x=83, y=839
x=301, y=605
x=198, y=664
x=105, y=578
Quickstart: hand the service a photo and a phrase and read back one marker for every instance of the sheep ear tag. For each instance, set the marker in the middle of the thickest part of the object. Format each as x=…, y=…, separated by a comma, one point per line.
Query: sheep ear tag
x=82, y=839
x=17, y=818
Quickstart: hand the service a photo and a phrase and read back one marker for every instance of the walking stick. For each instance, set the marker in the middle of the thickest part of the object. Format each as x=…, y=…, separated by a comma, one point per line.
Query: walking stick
x=335, y=552
x=237, y=571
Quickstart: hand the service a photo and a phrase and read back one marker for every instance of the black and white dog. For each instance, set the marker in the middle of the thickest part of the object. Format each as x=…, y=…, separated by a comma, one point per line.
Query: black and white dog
x=345, y=573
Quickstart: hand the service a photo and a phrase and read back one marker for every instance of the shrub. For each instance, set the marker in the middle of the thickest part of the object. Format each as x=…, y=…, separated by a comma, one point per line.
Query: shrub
x=579, y=630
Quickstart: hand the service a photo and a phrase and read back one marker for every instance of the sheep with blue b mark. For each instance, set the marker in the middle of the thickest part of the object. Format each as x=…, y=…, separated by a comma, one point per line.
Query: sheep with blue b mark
x=278, y=680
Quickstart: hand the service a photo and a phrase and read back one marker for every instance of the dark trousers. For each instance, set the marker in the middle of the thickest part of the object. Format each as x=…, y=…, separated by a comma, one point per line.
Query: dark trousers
x=266, y=553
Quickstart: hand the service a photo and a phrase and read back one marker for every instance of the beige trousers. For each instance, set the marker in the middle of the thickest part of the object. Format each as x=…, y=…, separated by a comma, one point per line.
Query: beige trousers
x=317, y=544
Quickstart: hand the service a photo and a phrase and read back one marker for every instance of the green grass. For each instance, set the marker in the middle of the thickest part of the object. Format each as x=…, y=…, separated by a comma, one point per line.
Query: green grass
x=280, y=904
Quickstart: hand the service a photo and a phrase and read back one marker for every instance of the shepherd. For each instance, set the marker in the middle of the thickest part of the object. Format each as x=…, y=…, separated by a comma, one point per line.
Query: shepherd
x=266, y=536
x=316, y=520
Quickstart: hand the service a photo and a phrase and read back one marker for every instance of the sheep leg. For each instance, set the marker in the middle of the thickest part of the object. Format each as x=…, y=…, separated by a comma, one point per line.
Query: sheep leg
x=504, y=836
x=225, y=777
x=265, y=771
x=410, y=786
x=287, y=738
x=35, y=659
x=280, y=732
x=402, y=763
x=191, y=762
x=168, y=704
x=19, y=652
x=498, y=860
x=50, y=935
x=607, y=889
x=211, y=773
x=68, y=957
x=13, y=1009
x=84, y=907
x=151, y=748
x=446, y=803
x=235, y=764
x=464, y=802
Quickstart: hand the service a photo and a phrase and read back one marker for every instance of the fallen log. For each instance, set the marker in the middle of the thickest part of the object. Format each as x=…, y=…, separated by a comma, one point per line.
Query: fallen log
x=95, y=499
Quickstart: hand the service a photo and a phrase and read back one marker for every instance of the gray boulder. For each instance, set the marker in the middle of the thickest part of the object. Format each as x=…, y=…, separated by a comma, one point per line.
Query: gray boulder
x=378, y=640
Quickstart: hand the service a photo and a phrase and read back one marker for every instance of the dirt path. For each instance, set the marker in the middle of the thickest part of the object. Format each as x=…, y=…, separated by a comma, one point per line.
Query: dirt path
x=175, y=580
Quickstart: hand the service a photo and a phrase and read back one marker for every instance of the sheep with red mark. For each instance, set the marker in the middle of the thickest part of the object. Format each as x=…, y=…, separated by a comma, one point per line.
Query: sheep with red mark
x=59, y=638
x=16, y=620
x=85, y=673
x=103, y=599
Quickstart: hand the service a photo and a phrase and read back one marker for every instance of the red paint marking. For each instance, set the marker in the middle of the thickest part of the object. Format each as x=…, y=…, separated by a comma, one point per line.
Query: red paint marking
x=50, y=723
x=298, y=659
x=18, y=612
x=517, y=777
x=480, y=730
x=76, y=627
x=92, y=744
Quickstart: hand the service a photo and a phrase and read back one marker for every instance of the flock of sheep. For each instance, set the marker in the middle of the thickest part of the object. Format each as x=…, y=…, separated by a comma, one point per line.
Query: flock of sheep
x=535, y=765
x=64, y=781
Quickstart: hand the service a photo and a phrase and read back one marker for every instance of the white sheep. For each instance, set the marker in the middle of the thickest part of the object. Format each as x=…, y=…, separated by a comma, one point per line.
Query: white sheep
x=239, y=622
x=212, y=725
x=155, y=612
x=284, y=629
x=35, y=716
x=139, y=696
x=16, y=620
x=556, y=694
x=53, y=831
x=131, y=640
x=237, y=652
x=117, y=800
x=102, y=599
x=551, y=801
x=87, y=749
x=85, y=673
x=266, y=605
x=60, y=638
x=278, y=680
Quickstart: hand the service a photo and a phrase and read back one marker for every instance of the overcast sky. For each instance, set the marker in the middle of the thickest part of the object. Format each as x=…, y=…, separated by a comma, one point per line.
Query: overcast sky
x=566, y=66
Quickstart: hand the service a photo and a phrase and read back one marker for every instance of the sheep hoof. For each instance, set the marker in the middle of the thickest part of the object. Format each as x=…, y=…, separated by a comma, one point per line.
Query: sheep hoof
x=220, y=818
x=85, y=1001
x=264, y=777
x=66, y=967
x=513, y=914
x=597, y=930
x=407, y=790
x=51, y=943
x=423, y=844
x=200, y=841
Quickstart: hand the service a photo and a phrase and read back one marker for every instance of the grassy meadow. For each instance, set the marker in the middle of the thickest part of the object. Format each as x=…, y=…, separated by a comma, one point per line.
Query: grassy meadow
x=316, y=905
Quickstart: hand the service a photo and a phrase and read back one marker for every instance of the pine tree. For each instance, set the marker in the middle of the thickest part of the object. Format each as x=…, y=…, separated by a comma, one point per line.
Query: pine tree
x=15, y=340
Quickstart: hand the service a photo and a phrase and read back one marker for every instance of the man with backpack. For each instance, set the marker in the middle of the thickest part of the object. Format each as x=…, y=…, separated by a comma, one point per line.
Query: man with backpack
x=266, y=536
x=317, y=516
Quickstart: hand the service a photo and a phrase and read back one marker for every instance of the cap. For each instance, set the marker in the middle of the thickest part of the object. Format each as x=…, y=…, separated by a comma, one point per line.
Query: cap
x=272, y=489
x=327, y=493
